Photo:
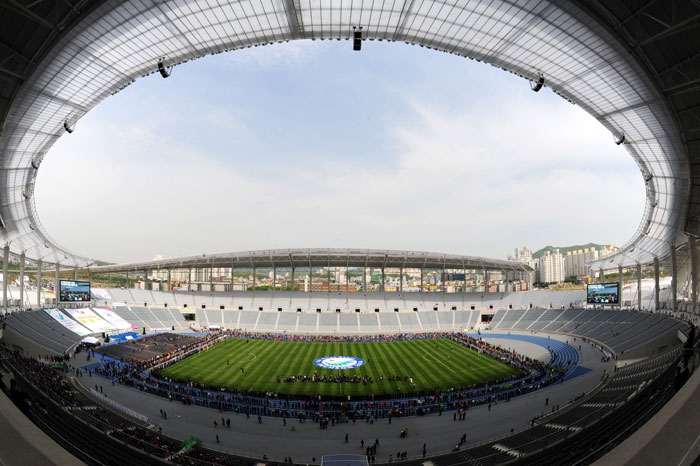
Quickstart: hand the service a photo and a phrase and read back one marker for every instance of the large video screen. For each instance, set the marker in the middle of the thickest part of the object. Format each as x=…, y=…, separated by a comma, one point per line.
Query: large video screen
x=74, y=291
x=603, y=293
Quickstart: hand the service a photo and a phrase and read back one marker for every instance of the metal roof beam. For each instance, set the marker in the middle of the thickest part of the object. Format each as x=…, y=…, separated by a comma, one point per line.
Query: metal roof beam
x=688, y=23
x=26, y=12
x=682, y=88
x=15, y=53
x=639, y=11
x=405, y=13
x=10, y=75
x=295, y=28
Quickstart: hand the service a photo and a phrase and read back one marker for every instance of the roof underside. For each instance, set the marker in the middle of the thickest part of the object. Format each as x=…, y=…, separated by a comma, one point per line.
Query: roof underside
x=633, y=65
x=304, y=258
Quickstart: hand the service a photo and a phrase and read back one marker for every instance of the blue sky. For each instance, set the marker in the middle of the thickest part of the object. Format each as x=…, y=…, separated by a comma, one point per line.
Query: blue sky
x=309, y=144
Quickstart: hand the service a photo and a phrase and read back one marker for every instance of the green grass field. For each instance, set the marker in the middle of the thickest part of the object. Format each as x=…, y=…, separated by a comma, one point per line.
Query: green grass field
x=432, y=364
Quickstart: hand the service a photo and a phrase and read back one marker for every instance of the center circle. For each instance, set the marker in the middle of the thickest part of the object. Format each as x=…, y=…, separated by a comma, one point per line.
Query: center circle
x=339, y=362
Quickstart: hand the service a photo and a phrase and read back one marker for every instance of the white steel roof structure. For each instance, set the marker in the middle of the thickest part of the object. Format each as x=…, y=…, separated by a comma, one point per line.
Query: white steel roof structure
x=303, y=258
x=632, y=65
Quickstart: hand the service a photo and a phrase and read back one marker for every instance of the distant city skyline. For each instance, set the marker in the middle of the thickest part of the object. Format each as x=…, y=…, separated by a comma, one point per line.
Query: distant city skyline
x=309, y=144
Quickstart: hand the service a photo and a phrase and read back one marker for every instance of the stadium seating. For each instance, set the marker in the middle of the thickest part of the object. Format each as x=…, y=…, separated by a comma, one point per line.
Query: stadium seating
x=287, y=321
x=622, y=331
x=307, y=323
x=266, y=321
x=39, y=333
x=348, y=302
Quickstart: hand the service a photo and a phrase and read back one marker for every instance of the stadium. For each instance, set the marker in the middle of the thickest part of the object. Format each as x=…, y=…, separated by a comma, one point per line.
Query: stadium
x=353, y=356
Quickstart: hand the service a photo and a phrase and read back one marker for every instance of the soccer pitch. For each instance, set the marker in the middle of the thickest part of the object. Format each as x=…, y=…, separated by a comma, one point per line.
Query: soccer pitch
x=432, y=364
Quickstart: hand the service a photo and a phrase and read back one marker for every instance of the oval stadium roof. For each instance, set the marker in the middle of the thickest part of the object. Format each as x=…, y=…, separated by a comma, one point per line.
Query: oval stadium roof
x=633, y=65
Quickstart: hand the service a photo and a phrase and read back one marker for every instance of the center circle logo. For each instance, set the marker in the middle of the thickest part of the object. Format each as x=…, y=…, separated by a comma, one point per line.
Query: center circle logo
x=339, y=362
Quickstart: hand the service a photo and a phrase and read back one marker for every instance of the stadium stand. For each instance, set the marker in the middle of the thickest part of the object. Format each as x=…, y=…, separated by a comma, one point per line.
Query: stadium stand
x=366, y=302
x=38, y=333
x=267, y=321
x=625, y=332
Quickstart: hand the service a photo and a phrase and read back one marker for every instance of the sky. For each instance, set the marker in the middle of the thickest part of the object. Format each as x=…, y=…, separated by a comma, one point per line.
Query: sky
x=309, y=144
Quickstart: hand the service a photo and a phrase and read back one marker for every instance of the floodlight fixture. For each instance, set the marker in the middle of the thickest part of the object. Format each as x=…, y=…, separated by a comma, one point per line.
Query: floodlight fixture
x=69, y=129
x=620, y=140
x=539, y=84
x=162, y=69
x=357, y=38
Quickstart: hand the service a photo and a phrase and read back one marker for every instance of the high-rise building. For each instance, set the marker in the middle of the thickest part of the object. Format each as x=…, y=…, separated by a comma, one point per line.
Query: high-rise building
x=525, y=255
x=551, y=267
x=577, y=262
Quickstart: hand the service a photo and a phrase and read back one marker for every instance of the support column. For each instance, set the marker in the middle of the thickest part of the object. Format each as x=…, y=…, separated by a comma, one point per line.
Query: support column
x=189, y=279
x=639, y=287
x=443, y=285
x=674, y=280
x=274, y=277
x=232, y=275
x=486, y=281
x=21, y=280
x=254, y=279
x=400, y=279
x=170, y=286
x=347, y=279
x=421, y=279
x=292, y=277
x=656, y=284
x=464, y=290
x=329, y=278
x=5, y=263
x=692, y=244
x=364, y=279
x=601, y=277
x=75, y=274
x=211, y=278
x=56, y=282
x=145, y=279
x=38, y=283
x=383, y=281
x=619, y=280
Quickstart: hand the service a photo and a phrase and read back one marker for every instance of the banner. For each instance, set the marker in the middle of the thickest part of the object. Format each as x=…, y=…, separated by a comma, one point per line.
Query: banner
x=91, y=320
x=113, y=318
x=67, y=322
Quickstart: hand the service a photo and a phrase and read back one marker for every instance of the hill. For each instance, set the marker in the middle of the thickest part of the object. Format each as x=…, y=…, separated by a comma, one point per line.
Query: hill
x=564, y=249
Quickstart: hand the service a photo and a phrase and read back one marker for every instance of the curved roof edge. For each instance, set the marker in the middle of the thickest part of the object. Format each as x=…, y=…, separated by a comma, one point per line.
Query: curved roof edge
x=302, y=258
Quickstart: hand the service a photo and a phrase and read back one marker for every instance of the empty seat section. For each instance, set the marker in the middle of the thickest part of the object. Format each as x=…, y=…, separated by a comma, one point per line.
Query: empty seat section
x=368, y=322
x=328, y=322
x=428, y=320
x=287, y=322
x=248, y=319
x=347, y=322
x=231, y=318
x=445, y=319
x=409, y=322
x=267, y=321
x=389, y=321
x=308, y=322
